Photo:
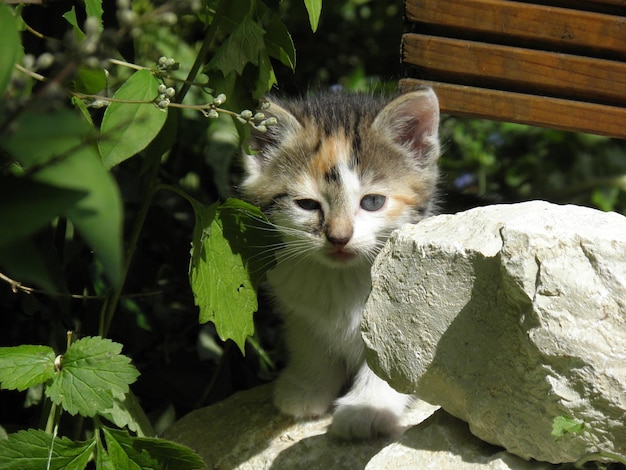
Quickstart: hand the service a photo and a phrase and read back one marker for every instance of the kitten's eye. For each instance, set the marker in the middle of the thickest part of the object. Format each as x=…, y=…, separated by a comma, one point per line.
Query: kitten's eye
x=373, y=202
x=308, y=204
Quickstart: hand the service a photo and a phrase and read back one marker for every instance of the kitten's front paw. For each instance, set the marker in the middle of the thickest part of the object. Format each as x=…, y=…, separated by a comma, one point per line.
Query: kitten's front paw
x=297, y=401
x=364, y=422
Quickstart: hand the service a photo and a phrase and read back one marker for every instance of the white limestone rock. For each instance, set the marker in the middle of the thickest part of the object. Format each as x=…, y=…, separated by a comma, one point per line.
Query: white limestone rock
x=246, y=432
x=508, y=317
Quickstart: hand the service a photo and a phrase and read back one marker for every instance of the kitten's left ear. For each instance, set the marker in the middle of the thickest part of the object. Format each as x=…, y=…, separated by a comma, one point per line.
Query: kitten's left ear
x=412, y=120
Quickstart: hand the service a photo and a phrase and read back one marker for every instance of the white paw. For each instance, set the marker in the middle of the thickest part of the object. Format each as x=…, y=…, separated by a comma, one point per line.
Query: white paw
x=364, y=422
x=300, y=402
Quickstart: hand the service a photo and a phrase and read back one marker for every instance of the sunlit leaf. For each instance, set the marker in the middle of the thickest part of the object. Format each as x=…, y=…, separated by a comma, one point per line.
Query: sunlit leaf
x=127, y=128
x=141, y=451
x=93, y=372
x=231, y=253
x=314, y=9
x=30, y=450
x=9, y=45
x=24, y=366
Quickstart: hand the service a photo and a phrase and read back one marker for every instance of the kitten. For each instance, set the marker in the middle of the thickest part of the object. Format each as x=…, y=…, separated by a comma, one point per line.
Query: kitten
x=336, y=175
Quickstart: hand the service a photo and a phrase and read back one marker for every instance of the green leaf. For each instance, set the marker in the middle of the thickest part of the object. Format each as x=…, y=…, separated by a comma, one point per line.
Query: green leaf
x=127, y=412
x=142, y=450
x=71, y=18
x=30, y=450
x=241, y=47
x=93, y=372
x=55, y=147
x=94, y=9
x=314, y=8
x=25, y=366
x=90, y=80
x=127, y=128
x=9, y=46
x=231, y=251
x=42, y=203
x=562, y=425
x=279, y=42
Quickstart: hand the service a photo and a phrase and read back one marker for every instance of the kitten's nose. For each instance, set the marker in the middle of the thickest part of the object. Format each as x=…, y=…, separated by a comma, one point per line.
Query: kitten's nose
x=339, y=241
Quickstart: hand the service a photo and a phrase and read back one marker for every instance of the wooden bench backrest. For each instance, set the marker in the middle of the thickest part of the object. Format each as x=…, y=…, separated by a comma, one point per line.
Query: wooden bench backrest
x=522, y=62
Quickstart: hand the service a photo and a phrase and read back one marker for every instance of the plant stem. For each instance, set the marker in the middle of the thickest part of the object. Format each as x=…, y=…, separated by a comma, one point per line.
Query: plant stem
x=110, y=305
x=204, y=50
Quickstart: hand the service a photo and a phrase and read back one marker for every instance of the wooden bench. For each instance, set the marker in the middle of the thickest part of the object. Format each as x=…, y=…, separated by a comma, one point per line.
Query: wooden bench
x=561, y=66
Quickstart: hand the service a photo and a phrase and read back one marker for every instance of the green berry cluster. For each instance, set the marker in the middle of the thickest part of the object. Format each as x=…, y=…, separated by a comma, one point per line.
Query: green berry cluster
x=165, y=95
x=257, y=120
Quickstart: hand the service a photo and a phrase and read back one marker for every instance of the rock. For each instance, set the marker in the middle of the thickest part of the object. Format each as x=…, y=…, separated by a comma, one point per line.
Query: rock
x=509, y=317
x=246, y=432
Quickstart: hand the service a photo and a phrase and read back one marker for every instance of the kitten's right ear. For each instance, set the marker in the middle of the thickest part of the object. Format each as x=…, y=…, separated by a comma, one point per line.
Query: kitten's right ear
x=262, y=144
x=412, y=120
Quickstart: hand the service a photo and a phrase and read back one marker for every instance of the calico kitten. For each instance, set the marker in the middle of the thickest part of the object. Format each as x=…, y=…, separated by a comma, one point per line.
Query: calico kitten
x=336, y=176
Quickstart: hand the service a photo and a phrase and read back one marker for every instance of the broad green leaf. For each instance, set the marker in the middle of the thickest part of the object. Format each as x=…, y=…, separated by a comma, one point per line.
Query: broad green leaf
x=24, y=366
x=56, y=147
x=127, y=128
x=127, y=412
x=9, y=45
x=562, y=425
x=314, y=9
x=231, y=251
x=137, y=449
x=90, y=80
x=241, y=47
x=30, y=450
x=279, y=42
x=92, y=374
x=42, y=203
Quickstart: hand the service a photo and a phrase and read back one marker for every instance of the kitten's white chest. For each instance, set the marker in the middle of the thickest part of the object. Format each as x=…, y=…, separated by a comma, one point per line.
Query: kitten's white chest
x=331, y=301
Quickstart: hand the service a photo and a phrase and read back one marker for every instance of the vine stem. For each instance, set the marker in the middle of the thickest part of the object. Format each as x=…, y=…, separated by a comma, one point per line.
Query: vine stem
x=110, y=304
x=204, y=50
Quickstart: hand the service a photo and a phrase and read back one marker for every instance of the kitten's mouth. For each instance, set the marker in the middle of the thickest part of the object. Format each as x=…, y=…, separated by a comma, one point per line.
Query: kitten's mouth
x=341, y=255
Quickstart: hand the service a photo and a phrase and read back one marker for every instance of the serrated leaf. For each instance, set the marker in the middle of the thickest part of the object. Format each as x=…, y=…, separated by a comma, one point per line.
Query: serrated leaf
x=314, y=9
x=24, y=366
x=127, y=412
x=279, y=42
x=70, y=17
x=139, y=449
x=128, y=128
x=231, y=251
x=124, y=456
x=30, y=450
x=9, y=46
x=56, y=144
x=42, y=203
x=241, y=47
x=93, y=372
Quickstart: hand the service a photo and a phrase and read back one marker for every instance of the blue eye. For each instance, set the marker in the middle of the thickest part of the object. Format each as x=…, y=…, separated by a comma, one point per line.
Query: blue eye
x=308, y=204
x=373, y=202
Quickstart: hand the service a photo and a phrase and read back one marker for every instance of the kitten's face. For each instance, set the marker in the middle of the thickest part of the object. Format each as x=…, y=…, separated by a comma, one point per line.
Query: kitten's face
x=340, y=172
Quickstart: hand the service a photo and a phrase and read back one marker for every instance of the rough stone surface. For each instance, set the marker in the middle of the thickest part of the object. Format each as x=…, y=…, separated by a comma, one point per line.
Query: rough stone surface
x=247, y=432
x=509, y=316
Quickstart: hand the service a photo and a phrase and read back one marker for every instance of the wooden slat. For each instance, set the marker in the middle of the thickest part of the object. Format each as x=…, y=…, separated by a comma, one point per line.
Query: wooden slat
x=517, y=69
x=526, y=109
x=543, y=25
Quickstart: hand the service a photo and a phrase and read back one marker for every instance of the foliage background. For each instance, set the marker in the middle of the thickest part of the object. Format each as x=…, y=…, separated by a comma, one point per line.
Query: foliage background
x=184, y=365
